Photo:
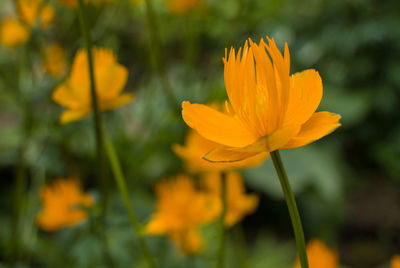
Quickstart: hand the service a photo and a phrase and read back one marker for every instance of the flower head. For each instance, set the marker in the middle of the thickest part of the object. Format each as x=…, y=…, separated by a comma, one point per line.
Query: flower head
x=395, y=262
x=61, y=201
x=238, y=203
x=180, y=7
x=110, y=79
x=32, y=11
x=196, y=147
x=54, y=61
x=13, y=33
x=268, y=108
x=319, y=255
x=180, y=210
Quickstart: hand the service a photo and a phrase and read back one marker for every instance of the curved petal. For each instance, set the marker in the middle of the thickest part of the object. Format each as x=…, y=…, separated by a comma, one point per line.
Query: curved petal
x=72, y=96
x=304, y=96
x=111, y=80
x=216, y=126
x=69, y=116
x=319, y=125
x=116, y=102
x=268, y=143
x=225, y=154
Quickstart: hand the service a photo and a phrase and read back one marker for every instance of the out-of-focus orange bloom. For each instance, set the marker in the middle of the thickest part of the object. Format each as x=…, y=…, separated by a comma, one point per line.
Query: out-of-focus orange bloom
x=54, y=61
x=268, y=108
x=61, y=204
x=238, y=203
x=319, y=255
x=196, y=147
x=180, y=210
x=180, y=7
x=35, y=11
x=13, y=33
x=395, y=262
x=110, y=79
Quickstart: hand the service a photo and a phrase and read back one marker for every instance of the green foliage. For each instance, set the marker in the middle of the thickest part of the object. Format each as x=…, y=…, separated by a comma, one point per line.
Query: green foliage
x=353, y=44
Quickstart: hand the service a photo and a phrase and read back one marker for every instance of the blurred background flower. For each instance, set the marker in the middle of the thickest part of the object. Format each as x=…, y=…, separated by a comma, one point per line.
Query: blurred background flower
x=63, y=203
x=74, y=93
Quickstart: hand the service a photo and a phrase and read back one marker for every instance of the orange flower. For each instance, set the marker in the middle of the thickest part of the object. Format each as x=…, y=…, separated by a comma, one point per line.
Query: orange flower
x=196, y=147
x=30, y=11
x=13, y=33
x=319, y=255
x=180, y=210
x=61, y=201
x=54, y=61
x=395, y=262
x=110, y=80
x=267, y=110
x=238, y=203
x=180, y=7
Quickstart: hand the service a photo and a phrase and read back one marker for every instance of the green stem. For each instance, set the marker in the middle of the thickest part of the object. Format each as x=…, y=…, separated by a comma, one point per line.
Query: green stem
x=98, y=127
x=156, y=53
x=221, y=224
x=120, y=180
x=292, y=207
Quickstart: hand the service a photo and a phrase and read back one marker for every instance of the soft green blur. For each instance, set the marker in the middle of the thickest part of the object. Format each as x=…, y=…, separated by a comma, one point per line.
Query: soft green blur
x=347, y=185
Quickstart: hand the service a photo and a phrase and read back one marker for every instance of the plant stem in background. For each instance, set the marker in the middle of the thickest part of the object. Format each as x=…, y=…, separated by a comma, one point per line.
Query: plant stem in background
x=120, y=180
x=292, y=207
x=98, y=126
x=156, y=53
x=221, y=224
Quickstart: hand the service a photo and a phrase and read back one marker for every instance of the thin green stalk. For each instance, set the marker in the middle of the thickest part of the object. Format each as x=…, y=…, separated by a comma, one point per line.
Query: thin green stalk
x=292, y=207
x=221, y=224
x=120, y=180
x=156, y=53
x=98, y=126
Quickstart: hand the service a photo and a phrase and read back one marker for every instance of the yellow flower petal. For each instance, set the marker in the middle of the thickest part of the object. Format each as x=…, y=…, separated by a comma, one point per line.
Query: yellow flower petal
x=32, y=11
x=266, y=144
x=319, y=125
x=196, y=147
x=117, y=101
x=225, y=154
x=111, y=80
x=395, y=262
x=216, y=126
x=75, y=92
x=65, y=95
x=319, y=255
x=239, y=203
x=189, y=241
x=61, y=204
x=69, y=116
x=304, y=96
x=13, y=33
x=54, y=61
